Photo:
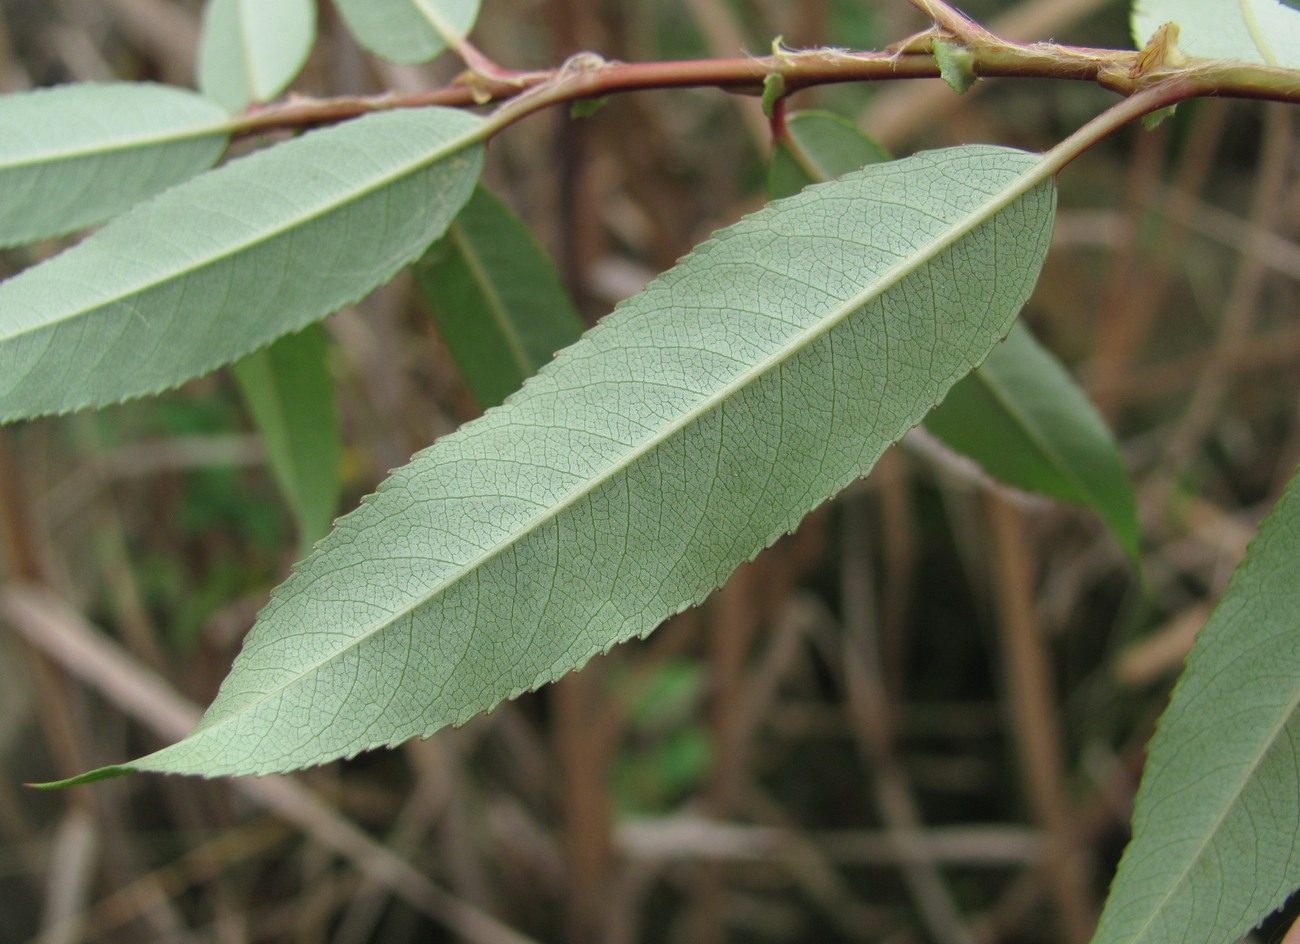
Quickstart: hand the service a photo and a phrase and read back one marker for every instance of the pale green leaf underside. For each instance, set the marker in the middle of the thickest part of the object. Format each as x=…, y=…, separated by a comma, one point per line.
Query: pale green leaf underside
x=1216, y=825
x=252, y=49
x=699, y=422
x=290, y=394
x=1260, y=31
x=408, y=30
x=217, y=267
x=1022, y=418
x=498, y=301
x=73, y=156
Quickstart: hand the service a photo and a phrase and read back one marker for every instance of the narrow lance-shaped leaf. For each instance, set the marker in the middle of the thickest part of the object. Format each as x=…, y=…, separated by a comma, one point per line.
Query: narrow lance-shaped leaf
x=290, y=394
x=73, y=156
x=1260, y=31
x=497, y=299
x=251, y=49
x=1020, y=416
x=1216, y=823
x=1023, y=419
x=408, y=30
x=698, y=423
x=224, y=264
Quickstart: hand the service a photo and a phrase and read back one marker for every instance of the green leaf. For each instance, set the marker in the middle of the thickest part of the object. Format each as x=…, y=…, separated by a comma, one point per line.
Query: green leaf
x=290, y=394
x=408, y=30
x=1216, y=825
x=697, y=424
x=222, y=265
x=818, y=145
x=1022, y=418
x=76, y=155
x=497, y=299
x=1260, y=31
x=251, y=49
x=956, y=65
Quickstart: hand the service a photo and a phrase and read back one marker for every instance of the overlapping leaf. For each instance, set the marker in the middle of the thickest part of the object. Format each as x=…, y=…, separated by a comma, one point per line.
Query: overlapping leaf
x=252, y=49
x=289, y=392
x=498, y=301
x=213, y=269
x=76, y=155
x=694, y=426
x=1261, y=31
x=1026, y=422
x=408, y=30
x=1215, y=846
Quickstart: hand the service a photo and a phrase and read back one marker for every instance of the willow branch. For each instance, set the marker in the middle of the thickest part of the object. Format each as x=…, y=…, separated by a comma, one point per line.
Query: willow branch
x=589, y=76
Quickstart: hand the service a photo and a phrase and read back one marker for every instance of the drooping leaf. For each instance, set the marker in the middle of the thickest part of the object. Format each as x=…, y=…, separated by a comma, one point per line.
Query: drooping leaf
x=818, y=145
x=1216, y=824
x=224, y=264
x=1022, y=418
x=408, y=30
x=698, y=423
x=1260, y=31
x=290, y=394
x=251, y=49
x=497, y=299
x=73, y=156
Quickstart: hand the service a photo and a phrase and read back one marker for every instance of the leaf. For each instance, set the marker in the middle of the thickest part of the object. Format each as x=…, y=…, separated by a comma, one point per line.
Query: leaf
x=408, y=30
x=290, y=395
x=251, y=50
x=497, y=299
x=226, y=263
x=1260, y=31
x=1021, y=417
x=699, y=422
x=818, y=145
x=76, y=155
x=1216, y=825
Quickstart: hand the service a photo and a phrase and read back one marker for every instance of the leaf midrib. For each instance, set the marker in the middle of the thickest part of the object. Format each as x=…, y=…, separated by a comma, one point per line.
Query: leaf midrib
x=453, y=146
x=213, y=129
x=496, y=306
x=1033, y=433
x=892, y=276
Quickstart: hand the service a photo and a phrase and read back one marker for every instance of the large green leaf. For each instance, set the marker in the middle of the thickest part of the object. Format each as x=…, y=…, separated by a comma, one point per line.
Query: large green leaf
x=497, y=299
x=408, y=30
x=698, y=423
x=818, y=145
x=1023, y=419
x=224, y=264
x=76, y=155
x=1216, y=825
x=290, y=395
x=1261, y=31
x=252, y=49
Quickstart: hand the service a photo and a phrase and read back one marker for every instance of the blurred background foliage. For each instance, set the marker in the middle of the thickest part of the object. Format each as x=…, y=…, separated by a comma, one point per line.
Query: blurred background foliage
x=920, y=718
